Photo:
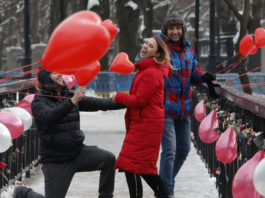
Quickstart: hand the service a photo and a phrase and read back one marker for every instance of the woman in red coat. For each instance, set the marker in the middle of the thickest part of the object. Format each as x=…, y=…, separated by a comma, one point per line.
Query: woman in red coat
x=144, y=120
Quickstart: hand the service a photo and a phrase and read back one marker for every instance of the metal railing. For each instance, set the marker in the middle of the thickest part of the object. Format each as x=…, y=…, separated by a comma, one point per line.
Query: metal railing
x=248, y=113
x=24, y=152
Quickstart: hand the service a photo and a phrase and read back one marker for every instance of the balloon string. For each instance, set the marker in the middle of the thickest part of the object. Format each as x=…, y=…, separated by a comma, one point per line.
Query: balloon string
x=249, y=85
x=2, y=173
x=228, y=80
x=18, y=75
x=232, y=65
x=226, y=176
x=219, y=65
x=20, y=68
x=60, y=97
x=240, y=60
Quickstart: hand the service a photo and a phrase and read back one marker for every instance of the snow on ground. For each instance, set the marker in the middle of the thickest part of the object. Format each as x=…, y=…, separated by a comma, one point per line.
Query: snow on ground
x=106, y=130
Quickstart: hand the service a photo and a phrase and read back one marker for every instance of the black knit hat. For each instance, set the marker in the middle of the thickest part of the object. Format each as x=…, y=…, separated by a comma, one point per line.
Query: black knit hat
x=171, y=20
x=45, y=80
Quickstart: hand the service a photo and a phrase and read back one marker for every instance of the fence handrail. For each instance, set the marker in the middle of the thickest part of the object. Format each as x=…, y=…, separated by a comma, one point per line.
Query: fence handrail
x=17, y=85
x=249, y=102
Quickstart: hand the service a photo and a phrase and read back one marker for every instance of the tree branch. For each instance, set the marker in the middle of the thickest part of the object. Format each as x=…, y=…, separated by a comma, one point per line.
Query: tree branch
x=234, y=10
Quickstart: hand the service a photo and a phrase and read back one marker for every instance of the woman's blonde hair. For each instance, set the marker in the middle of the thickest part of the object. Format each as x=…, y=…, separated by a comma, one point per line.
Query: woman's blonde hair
x=162, y=51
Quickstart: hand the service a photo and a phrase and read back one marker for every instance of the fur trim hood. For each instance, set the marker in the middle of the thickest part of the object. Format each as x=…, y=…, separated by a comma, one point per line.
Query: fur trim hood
x=171, y=20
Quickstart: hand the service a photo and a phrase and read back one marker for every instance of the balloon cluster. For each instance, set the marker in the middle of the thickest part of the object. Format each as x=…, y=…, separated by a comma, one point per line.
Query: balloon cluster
x=77, y=44
x=247, y=45
x=249, y=181
x=14, y=121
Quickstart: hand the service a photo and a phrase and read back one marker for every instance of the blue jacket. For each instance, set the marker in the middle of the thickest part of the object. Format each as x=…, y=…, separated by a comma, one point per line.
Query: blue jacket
x=178, y=84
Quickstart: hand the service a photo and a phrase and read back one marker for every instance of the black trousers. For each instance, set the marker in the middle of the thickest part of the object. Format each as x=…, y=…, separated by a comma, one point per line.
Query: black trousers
x=57, y=177
x=136, y=189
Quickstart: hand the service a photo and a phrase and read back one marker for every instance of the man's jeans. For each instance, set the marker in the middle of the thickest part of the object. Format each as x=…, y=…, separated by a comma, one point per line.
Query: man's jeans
x=175, y=149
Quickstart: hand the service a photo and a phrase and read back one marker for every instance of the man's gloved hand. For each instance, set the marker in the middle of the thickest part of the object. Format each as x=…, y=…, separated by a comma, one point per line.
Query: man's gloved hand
x=208, y=78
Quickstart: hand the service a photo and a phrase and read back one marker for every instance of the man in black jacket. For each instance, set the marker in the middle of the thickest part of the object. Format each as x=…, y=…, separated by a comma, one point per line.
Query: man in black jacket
x=56, y=113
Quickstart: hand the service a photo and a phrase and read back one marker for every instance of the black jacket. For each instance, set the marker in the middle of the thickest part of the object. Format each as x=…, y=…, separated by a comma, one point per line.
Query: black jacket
x=58, y=123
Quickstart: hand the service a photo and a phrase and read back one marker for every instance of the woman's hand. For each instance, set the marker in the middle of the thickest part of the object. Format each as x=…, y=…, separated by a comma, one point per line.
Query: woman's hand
x=79, y=94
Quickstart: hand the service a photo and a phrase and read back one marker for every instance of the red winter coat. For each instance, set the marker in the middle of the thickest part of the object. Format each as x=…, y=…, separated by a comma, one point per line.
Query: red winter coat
x=144, y=118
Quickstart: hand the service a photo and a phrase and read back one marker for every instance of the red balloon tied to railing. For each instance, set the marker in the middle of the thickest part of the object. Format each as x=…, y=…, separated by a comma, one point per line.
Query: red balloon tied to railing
x=246, y=45
x=14, y=124
x=200, y=111
x=108, y=24
x=260, y=37
x=226, y=146
x=207, y=132
x=75, y=43
x=121, y=64
x=242, y=185
x=259, y=177
x=84, y=76
x=25, y=103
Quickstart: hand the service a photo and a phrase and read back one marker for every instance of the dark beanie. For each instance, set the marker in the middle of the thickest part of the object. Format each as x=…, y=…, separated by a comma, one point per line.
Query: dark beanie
x=171, y=20
x=45, y=80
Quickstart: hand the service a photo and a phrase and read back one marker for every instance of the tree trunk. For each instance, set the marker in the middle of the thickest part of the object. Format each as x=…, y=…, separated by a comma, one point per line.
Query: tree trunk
x=148, y=19
x=54, y=15
x=103, y=10
x=128, y=19
x=244, y=20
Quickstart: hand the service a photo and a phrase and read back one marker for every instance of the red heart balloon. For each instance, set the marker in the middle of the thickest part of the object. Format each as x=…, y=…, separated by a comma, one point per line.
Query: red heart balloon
x=121, y=64
x=110, y=27
x=246, y=45
x=200, y=111
x=242, y=185
x=14, y=124
x=226, y=146
x=25, y=103
x=84, y=76
x=207, y=128
x=260, y=37
x=76, y=42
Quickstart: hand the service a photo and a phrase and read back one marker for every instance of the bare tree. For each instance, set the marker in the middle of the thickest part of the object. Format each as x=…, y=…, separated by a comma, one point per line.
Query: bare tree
x=54, y=15
x=70, y=7
x=103, y=9
x=148, y=18
x=249, y=21
x=128, y=19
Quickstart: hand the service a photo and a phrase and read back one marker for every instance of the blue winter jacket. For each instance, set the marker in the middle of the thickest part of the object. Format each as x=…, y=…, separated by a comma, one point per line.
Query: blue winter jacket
x=178, y=84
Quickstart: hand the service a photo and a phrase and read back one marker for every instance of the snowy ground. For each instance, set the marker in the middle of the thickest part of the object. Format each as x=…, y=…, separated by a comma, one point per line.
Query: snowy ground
x=106, y=129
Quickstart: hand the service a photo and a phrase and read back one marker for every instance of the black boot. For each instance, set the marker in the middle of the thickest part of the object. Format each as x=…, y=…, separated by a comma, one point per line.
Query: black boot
x=24, y=192
x=20, y=191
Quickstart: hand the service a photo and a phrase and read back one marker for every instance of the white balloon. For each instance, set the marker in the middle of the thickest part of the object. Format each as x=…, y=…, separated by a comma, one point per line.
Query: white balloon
x=23, y=114
x=259, y=177
x=5, y=138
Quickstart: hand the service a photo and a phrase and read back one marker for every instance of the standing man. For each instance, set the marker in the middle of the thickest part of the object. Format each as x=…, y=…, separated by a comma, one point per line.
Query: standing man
x=184, y=73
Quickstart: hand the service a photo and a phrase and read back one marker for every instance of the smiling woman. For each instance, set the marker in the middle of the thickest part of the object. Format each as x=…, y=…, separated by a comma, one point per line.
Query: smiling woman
x=149, y=48
x=144, y=119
